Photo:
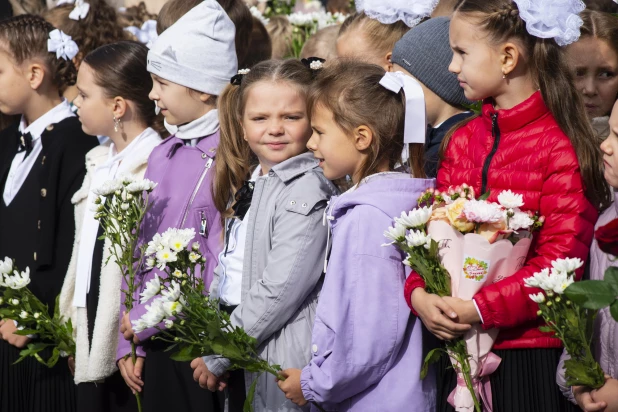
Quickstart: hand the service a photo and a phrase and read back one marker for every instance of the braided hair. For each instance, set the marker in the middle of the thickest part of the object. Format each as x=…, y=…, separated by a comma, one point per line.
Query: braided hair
x=25, y=37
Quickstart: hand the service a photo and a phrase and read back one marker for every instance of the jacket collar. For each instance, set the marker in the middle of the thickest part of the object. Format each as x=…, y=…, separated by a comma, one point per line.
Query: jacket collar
x=437, y=133
x=207, y=144
x=519, y=116
x=295, y=166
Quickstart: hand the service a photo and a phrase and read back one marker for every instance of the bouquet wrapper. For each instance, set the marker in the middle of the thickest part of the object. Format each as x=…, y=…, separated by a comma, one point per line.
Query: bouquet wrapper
x=473, y=262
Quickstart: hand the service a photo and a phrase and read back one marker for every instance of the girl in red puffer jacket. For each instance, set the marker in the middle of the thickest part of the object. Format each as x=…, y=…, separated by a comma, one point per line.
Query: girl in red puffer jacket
x=537, y=143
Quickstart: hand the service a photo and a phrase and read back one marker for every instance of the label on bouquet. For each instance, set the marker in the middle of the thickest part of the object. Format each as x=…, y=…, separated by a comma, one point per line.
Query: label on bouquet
x=475, y=269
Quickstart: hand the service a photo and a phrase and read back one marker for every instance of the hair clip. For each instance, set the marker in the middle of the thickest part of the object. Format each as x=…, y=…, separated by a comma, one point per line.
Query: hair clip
x=80, y=11
x=62, y=44
x=237, y=79
x=313, y=63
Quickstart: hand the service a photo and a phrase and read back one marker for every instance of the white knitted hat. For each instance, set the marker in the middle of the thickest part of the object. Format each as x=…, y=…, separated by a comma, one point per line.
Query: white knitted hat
x=197, y=51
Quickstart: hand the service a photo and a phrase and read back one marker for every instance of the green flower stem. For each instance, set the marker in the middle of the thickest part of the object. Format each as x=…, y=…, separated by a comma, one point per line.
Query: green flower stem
x=459, y=352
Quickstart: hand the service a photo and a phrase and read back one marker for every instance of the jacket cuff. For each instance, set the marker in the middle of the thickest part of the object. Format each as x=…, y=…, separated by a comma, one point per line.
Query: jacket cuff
x=125, y=350
x=484, y=312
x=305, y=379
x=217, y=365
x=413, y=281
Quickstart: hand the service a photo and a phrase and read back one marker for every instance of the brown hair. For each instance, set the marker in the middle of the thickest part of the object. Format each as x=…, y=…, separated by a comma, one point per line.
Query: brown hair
x=280, y=30
x=549, y=68
x=135, y=15
x=602, y=26
x=99, y=27
x=120, y=70
x=322, y=44
x=339, y=6
x=260, y=47
x=233, y=154
x=351, y=91
x=236, y=10
x=606, y=6
x=25, y=37
x=380, y=37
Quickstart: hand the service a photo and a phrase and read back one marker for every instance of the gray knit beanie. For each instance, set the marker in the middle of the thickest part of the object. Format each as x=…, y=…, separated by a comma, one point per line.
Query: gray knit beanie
x=425, y=52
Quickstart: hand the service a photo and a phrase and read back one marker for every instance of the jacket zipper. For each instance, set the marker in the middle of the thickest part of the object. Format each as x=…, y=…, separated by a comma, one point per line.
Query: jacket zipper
x=495, y=132
x=199, y=183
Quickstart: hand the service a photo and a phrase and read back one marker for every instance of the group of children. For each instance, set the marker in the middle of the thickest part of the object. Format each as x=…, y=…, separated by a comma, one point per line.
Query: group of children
x=290, y=172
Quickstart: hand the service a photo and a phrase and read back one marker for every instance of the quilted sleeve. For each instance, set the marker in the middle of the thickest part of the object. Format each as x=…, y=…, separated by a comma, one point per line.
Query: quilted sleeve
x=567, y=232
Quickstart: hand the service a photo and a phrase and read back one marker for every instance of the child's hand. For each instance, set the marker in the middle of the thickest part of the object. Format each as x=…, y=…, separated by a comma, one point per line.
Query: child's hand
x=465, y=309
x=71, y=361
x=132, y=374
x=291, y=386
x=7, y=332
x=436, y=314
x=127, y=329
x=205, y=378
x=607, y=394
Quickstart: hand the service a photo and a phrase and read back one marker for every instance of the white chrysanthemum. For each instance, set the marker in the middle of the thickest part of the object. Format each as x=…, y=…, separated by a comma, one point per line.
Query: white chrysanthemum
x=23, y=314
x=36, y=315
x=153, y=287
x=150, y=262
x=561, y=281
x=395, y=233
x=567, y=265
x=481, y=211
x=195, y=246
x=510, y=200
x=416, y=218
x=406, y=261
x=416, y=238
x=164, y=257
x=139, y=186
x=520, y=221
x=176, y=243
x=257, y=13
x=172, y=308
x=18, y=280
x=14, y=302
x=301, y=19
x=194, y=257
x=109, y=187
x=172, y=293
x=6, y=266
x=538, y=298
x=540, y=280
x=177, y=273
x=169, y=323
x=154, y=313
x=139, y=325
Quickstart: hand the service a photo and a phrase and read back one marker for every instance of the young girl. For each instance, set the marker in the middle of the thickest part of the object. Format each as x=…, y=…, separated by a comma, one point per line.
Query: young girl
x=606, y=328
x=113, y=86
x=269, y=276
x=367, y=348
x=594, y=59
x=41, y=167
x=190, y=64
x=534, y=142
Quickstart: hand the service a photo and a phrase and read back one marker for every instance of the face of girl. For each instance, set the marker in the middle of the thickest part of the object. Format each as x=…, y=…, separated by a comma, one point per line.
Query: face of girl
x=95, y=109
x=333, y=147
x=596, y=74
x=14, y=86
x=475, y=61
x=178, y=104
x=610, y=150
x=275, y=122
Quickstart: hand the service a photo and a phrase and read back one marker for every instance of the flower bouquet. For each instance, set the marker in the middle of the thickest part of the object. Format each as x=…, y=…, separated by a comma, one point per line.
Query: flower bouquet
x=190, y=321
x=571, y=322
x=458, y=244
x=120, y=207
x=19, y=304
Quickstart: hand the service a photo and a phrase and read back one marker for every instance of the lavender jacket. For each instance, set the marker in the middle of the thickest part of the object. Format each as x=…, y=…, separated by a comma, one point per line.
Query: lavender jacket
x=367, y=348
x=605, y=328
x=182, y=199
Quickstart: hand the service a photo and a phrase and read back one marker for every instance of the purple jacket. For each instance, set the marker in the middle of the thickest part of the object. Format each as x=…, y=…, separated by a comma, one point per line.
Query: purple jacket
x=182, y=199
x=605, y=327
x=367, y=347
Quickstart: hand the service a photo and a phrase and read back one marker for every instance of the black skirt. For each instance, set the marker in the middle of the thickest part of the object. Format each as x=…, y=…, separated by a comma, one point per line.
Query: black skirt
x=524, y=381
x=112, y=395
x=30, y=386
x=169, y=385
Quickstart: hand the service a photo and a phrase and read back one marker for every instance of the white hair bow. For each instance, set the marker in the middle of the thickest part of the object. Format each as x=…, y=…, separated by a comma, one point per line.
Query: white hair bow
x=552, y=19
x=415, y=119
x=411, y=12
x=62, y=44
x=146, y=34
x=80, y=11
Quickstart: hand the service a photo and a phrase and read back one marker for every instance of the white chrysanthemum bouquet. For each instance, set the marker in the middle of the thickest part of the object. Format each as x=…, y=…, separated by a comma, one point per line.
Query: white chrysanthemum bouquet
x=19, y=304
x=120, y=207
x=188, y=320
x=457, y=244
x=570, y=322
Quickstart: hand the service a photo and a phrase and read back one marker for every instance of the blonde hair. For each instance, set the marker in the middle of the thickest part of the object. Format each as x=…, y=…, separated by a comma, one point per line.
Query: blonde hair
x=280, y=30
x=322, y=44
x=380, y=37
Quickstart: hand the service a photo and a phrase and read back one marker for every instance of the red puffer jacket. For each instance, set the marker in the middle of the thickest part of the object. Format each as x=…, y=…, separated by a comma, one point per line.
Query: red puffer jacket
x=524, y=150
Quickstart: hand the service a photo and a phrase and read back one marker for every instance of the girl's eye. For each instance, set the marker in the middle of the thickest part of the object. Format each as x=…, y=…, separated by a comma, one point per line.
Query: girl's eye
x=294, y=117
x=257, y=119
x=580, y=72
x=607, y=75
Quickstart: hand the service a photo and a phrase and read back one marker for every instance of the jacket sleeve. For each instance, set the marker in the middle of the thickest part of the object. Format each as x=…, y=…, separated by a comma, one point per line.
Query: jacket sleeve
x=368, y=336
x=561, y=379
x=567, y=232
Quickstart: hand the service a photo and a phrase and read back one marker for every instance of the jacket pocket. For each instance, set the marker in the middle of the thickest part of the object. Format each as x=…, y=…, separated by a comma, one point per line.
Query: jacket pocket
x=304, y=203
x=201, y=221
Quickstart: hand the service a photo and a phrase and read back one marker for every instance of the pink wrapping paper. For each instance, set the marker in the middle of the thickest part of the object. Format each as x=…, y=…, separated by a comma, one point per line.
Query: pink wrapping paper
x=473, y=263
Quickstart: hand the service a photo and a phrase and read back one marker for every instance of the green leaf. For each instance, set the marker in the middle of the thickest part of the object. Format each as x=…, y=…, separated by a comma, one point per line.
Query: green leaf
x=432, y=357
x=611, y=277
x=185, y=354
x=591, y=294
x=613, y=310
x=247, y=407
x=546, y=329
x=485, y=195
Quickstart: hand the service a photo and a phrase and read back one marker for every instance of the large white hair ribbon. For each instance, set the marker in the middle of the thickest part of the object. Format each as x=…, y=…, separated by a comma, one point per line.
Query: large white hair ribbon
x=62, y=44
x=415, y=117
x=80, y=11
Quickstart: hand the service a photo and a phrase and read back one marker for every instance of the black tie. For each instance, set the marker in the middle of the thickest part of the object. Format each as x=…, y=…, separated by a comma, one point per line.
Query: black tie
x=25, y=143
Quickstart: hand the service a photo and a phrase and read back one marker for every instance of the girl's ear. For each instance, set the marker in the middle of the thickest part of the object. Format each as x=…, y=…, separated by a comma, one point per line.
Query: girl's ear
x=509, y=57
x=388, y=62
x=119, y=107
x=35, y=74
x=363, y=137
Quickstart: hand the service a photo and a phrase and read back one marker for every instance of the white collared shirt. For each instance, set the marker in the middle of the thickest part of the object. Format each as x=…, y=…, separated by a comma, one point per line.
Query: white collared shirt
x=112, y=168
x=20, y=167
